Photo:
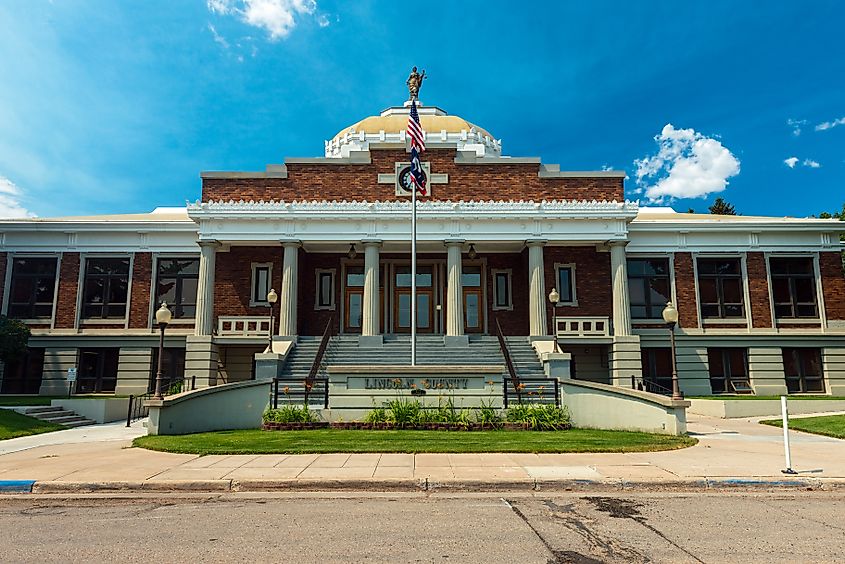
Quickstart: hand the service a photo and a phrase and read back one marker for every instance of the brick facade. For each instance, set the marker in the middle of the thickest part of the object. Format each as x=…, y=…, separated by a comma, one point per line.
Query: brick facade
x=139, y=301
x=593, y=282
x=758, y=289
x=330, y=181
x=233, y=280
x=513, y=322
x=67, y=292
x=833, y=284
x=685, y=290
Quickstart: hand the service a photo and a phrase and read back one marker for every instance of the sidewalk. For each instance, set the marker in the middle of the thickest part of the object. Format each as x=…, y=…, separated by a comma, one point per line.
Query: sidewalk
x=730, y=453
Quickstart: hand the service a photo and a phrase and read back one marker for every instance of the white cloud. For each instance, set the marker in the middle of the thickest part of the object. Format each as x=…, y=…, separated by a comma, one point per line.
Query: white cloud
x=796, y=124
x=687, y=165
x=791, y=162
x=10, y=205
x=830, y=124
x=323, y=20
x=219, y=39
x=277, y=17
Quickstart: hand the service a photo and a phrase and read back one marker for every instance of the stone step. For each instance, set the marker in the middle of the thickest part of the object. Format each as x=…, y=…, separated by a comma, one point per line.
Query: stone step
x=51, y=415
x=64, y=419
x=81, y=423
x=46, y=409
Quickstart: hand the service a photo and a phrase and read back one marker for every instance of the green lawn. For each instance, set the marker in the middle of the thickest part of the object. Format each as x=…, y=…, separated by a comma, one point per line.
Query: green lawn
x=829, y=425
x=753, y=397
x=15, y=401
x=332, y=440
x=13, y=424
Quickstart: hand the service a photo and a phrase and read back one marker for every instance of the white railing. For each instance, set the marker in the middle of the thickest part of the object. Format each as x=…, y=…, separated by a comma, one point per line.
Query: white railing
x=582, y=326
x=243, y=326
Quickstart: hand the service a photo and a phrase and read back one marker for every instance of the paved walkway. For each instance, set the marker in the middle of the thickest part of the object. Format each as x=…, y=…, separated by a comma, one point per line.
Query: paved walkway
x=728, y=449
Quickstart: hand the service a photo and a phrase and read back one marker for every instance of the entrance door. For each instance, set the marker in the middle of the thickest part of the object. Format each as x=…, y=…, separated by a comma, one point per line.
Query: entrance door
x=402, y=299
x=473, y=304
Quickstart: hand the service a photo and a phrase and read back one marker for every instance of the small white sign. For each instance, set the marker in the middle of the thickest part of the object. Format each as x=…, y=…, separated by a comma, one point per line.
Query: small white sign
x=71, y=374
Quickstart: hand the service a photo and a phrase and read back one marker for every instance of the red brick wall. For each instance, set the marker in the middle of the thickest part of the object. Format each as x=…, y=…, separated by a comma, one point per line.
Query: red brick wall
x=68, y=287
x=311, y=321
x=758, y=286
x=833, y=284
x=233, y=280
x=139, y=302
x=685, y=290
x=593, y=283
x=360, y=182
x=513, y=322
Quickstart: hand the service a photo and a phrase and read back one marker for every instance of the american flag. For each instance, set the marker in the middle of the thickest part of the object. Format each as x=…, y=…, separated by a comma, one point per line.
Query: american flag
x=415, y=132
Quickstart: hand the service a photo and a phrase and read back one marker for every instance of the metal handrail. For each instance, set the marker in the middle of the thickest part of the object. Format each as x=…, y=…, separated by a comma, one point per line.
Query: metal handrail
x=509, y=363
x=644, y=385
x=318, y=358
x=299, y=388
x=535, y=390
x=137, y=404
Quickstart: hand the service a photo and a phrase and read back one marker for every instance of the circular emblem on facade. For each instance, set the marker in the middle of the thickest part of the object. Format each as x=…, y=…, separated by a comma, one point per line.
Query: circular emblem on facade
x=405, y=179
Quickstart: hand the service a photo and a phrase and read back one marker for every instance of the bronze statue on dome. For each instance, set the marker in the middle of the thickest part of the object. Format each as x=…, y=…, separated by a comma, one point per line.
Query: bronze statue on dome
x=414, y=83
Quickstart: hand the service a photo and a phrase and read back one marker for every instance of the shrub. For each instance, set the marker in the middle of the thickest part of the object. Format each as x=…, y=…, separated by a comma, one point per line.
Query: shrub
x=539, y=417
x=402, y=412
x=290, y=414
x=377, y=415
x=14, y=334
x=488, y=415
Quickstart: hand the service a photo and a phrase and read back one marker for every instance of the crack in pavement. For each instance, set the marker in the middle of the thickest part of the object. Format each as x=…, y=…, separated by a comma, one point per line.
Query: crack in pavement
x=627, y=509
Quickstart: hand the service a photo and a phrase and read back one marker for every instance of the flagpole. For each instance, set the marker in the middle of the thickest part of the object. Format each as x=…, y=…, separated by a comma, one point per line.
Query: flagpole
x=414, y=275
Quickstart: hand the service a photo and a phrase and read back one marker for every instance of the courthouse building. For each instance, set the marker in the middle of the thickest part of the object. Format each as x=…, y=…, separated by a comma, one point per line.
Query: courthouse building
x=761, y=300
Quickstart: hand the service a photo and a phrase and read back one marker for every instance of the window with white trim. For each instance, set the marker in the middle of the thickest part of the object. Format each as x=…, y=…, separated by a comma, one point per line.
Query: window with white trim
x=262, y=283
x=565, y=279
x=324, y=288
x=794, y=287
x=502, y=289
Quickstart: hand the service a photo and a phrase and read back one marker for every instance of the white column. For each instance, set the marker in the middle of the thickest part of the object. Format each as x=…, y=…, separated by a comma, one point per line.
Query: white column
x=204, y=320
x=454, y=289
x=621, y=303
x=371, y=313
x=288, y=295
x=537, y=323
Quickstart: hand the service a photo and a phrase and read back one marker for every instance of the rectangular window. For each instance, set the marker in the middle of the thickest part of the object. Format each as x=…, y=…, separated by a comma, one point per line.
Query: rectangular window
x=566, y=283
x=794, y=287
x=803, y=370
x=728, y=370
x=33, y=288
x=176, y=285
x=657, y=370
x=324, y=296
x=502, y=289
x=471, y=276
x=23, y=374
x=106, y=288
x=262, y=280
x=720, y=288
x=97, y=370
x=648, y=287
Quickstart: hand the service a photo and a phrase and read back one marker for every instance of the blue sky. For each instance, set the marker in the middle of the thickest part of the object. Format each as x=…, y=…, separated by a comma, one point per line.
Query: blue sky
x=113, y=106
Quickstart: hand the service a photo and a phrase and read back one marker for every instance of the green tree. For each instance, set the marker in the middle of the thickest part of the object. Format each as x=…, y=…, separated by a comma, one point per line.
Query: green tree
x=13, y=338
x=721, y=207
x=840, y=215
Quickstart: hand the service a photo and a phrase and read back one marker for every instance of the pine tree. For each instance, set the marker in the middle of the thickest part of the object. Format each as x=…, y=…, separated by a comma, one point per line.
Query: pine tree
x=721, y=207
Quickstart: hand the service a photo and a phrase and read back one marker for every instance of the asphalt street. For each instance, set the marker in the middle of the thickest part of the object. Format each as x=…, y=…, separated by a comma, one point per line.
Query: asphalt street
x=578, y=528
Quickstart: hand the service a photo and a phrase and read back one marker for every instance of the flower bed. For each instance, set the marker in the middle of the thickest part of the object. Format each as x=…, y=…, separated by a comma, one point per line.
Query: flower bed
x=364, y=426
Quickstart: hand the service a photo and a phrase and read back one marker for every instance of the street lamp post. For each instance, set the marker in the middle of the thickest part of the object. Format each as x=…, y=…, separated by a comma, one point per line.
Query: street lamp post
x=670, y=316
x=554, y=298
x=163, y=316
x=272, y=298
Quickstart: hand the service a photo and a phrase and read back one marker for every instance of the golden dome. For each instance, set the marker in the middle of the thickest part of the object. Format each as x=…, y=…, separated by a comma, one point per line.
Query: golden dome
x=431, y=124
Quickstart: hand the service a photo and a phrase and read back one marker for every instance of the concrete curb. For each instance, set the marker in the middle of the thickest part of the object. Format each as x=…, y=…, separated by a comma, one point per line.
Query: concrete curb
x=432, y=486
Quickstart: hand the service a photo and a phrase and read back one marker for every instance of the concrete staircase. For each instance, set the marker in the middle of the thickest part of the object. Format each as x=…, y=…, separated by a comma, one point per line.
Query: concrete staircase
x=299, y=361
x=524, y=358
x=59, y=415
x=482, y=350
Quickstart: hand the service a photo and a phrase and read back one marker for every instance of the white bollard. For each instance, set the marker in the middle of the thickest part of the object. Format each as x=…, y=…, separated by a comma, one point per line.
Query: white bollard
x=785, y=415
